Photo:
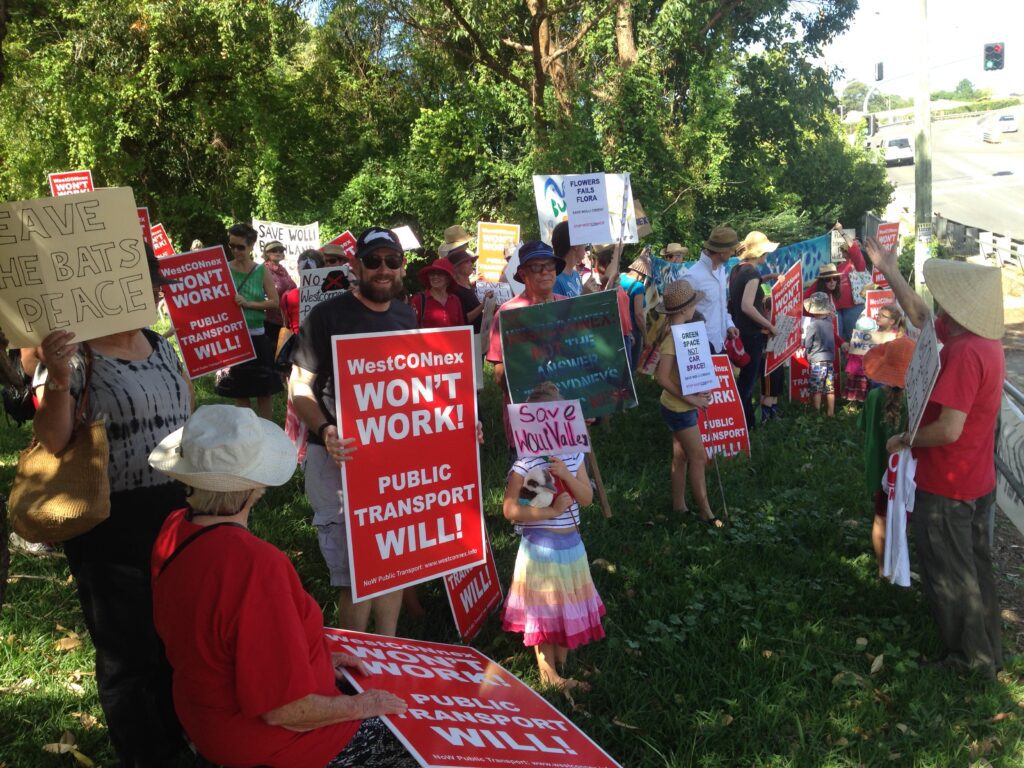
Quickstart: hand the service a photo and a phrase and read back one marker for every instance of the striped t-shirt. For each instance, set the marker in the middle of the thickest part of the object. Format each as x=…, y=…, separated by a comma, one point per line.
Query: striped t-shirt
x=568, y=519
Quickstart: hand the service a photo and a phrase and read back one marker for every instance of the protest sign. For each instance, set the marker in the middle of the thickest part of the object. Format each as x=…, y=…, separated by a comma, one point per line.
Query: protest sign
x=812, y=255
x=207, y=320
x=316, y=285
x=875, y=300
x=412, y=505
x=70, y=183
x=502, y=291
x=406, y=238
x=787, y=299
x=295, y=240
x=473, y=594
x=595, y=203
x=576, y=344
x=778, y=343
x=838, y=238
x=922, y=373
x=549, y=197
x=666, y=272
x=888, y=237
x=723, y=425
x=509, y=276
x=693, y=358
x=347, y=241
x=160, y=242
x=491, y=241
x=548, y=429
x=74, y=263
x=465, y=710
x=147, y=236
x=643, y=223
x=799, y=377
x=858, y=282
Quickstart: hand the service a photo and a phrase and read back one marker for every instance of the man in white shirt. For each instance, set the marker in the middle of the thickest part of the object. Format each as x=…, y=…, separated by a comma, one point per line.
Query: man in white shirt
x=708, y=277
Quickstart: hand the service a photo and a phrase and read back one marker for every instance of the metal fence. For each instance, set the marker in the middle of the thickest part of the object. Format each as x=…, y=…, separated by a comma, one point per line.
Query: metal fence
x=964, y=240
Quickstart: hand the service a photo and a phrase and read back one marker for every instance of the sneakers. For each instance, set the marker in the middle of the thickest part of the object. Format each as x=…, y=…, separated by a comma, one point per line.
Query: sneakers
x=28, y=548
x=769, y=412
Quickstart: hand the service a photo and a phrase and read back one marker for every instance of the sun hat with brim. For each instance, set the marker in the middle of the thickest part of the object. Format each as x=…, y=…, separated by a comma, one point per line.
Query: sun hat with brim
x=818, y=304
x=972, y=294
x=440, y=266
x=827, y=271
x=722, y=240
x=887, y=363
x=675, y=249
x=755, y=245
x=677, y=296
x=226, y=448
x=334, y=250
x=536, y=250
x=454, y=238
x=642, y=266
x=460, y=255
x=273, y=245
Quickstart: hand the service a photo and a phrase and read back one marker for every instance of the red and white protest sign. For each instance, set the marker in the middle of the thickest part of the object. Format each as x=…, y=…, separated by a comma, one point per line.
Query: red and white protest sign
x=548, y=429
x=787, y=301
x=160, y=241
x=888, y=236
x=412, y=487
x=723, y=425
x=70, y=183
x=347, y=241
x=875, y=300
x=144, y=224
x=473, y=594
x=800, y=372
x=207, y=320
x=465, y=710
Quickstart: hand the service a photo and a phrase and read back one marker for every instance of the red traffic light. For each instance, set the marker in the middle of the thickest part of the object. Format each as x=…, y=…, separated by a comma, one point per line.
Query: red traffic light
x=997, y=48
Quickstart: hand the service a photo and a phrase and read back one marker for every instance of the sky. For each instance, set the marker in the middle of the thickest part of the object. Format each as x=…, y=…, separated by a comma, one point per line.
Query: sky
x=884, y=30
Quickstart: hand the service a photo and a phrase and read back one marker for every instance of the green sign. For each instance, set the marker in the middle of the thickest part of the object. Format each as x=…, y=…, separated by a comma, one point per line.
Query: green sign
x=576, y=344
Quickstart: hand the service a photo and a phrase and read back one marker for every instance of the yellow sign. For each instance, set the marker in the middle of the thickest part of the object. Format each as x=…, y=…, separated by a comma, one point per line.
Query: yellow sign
x=491, y=241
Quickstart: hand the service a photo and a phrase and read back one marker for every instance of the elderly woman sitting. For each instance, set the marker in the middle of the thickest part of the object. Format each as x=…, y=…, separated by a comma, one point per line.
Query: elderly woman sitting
x=254, y=682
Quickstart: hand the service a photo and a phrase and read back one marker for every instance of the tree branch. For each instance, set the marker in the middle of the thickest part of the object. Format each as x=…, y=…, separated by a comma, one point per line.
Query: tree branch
x=485, y=57
x=578, y=37
x=517, y=46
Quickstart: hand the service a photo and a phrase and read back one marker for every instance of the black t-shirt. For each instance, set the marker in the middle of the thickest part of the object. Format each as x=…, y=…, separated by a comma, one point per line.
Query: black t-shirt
x=469, y=301
x=741, y=275
x=339, y=316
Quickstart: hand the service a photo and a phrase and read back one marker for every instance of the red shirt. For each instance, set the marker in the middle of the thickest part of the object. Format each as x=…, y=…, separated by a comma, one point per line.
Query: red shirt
x=430, y=313
x=243, y=638
x=854, y=261
x=290, y=309
x=970, y=380
x=494, y=346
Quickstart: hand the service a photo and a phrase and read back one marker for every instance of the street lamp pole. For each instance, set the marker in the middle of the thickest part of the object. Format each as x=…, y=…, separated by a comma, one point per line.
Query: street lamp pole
x=922, y=153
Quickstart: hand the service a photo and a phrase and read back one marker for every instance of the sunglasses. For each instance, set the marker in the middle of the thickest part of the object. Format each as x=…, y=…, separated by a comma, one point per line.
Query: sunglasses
x=237, y=247
x=276, y=250
x=373, y=261
x=831, y=279
x=537, y=267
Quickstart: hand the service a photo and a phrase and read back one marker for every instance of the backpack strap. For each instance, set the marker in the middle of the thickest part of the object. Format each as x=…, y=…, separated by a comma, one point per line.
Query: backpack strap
x=181, y=547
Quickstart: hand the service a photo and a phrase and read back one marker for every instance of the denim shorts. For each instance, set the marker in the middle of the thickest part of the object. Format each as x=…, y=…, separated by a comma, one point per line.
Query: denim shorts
x=677, y=421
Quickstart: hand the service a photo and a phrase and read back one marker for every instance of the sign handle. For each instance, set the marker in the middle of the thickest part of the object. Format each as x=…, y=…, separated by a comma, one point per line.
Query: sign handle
x=595, y=470
x=613, y=268
x=721, y=489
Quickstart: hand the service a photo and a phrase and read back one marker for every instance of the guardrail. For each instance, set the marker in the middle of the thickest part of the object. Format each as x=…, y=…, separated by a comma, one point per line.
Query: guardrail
x=965, y=240
x=935, y=117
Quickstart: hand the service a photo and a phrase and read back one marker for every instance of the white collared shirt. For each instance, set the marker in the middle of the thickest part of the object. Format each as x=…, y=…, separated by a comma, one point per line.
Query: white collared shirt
x=704, y=277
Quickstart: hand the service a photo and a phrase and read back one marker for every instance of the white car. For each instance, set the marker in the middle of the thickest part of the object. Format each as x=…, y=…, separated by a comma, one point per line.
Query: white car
x=1007, y=123
x=899, y=151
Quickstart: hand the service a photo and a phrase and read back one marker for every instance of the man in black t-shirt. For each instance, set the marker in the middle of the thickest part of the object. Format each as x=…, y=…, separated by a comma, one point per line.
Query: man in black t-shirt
x=369, y=308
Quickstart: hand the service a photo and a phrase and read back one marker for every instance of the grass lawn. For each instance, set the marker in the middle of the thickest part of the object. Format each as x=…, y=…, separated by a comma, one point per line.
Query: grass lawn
x=768, y=643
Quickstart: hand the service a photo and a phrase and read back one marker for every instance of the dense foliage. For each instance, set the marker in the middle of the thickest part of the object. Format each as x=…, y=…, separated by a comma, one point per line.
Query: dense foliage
x=430, y=112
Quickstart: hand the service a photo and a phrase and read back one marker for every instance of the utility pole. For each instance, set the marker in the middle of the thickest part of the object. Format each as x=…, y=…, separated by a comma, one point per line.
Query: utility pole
x=922, y=153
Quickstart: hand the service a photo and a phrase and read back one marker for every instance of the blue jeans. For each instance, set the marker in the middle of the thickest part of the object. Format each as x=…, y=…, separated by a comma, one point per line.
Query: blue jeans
x=848, y=319
x=750, y=373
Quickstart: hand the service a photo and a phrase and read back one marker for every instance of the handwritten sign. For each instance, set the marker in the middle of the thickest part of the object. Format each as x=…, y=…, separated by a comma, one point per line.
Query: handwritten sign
x=502, y=292
x=160, y=242
x=922, y=374
x=316, y=285
x=412, y=489
x=347, y=241
x=596, y=204
x=858, y=282
x=548, y=429
x=295, y=239
x=784, y=328
x=207, y=320
x=723, y=425
x=838, y=238
x=74, y=263
x=875, y=300
x=464, y=709
x=70, y=183
x=787, y=299
x=693, y=357
x=473, y=595
x=492, y=239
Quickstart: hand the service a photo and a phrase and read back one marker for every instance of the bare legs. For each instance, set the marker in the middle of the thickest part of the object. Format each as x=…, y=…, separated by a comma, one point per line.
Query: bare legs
x=878, y=540
x=356, y=616
x=688, y=462
x=549, y=658
x=830, y=402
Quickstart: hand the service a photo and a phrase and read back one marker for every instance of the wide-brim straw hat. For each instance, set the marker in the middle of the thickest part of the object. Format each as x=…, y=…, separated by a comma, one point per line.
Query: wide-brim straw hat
x=722, y=240
x=972, y=294
x=677, y=296
x=642, y=266
x=454, y=238
x=444, y=266
x=818, y=304
x=273, y=244
x=334, y=250
x=828, y=270
x=887, y=363
x=675, y=249
x=755, y=245
x=225, y=448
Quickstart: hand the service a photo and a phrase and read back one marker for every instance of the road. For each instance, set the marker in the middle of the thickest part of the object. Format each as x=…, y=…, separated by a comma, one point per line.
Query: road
x=975, y=183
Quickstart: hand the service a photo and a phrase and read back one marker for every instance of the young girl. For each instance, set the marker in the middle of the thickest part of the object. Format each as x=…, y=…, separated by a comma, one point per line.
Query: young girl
x=856, y=387
x=679, y=303
x=883, y=416
x=552, y=600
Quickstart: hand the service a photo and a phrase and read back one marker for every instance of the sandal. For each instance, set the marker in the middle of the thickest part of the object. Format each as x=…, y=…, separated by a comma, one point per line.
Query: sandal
x=712, y=521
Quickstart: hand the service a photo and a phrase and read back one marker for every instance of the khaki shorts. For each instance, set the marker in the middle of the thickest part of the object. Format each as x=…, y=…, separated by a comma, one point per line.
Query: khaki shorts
x=323, y=489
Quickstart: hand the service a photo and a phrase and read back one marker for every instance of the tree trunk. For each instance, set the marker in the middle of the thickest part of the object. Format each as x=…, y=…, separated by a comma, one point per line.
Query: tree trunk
x=624, y=40
x=4, y=17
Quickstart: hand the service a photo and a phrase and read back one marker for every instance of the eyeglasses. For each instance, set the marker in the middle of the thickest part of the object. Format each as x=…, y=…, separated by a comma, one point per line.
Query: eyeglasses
x=537, y=267
x=237, y=246
x=373, y=261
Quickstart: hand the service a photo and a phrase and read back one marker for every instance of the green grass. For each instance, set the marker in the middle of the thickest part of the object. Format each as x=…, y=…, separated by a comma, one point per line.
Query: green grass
x=739, y=647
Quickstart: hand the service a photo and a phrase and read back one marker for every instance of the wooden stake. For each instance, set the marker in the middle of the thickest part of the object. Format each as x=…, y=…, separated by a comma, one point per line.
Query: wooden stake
x=595, y=471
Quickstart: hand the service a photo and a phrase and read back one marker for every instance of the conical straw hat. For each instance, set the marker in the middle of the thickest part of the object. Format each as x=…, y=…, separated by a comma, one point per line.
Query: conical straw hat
x=972, y=294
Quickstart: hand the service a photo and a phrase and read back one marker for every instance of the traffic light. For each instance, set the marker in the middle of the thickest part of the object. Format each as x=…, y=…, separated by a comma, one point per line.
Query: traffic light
x=994, y=56
x=872, y=124
x=878, y=71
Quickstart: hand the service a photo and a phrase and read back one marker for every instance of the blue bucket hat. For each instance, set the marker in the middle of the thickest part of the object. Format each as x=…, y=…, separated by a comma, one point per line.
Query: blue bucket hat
x=535, y=250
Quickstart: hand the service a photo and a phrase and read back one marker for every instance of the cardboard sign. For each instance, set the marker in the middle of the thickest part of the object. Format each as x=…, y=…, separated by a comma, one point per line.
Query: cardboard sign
x=858, y=282
x=548, y=429
x=465, y=710
x=160, y=242
x=576, y=344
x=70, y=183
x=73, y=263
x=294, y=238
x=777, y=344
x=888, y=237
x=473, y=594
x=144, y=225
x=862, y=342
x=491, y=241
x=502, y=292
x=595, y=203
x=406, y=238
x=207, y=320
x=922, y=374
x=875, y=300
x=787, y=299
x=837, y=240
x=693, y=358
x=723, y=425
x=412, y=487
x=643, y=224
x=347, y=241
x=316, y=285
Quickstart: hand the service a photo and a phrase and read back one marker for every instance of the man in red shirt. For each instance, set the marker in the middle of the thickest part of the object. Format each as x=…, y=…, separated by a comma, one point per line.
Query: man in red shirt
x=954, y=448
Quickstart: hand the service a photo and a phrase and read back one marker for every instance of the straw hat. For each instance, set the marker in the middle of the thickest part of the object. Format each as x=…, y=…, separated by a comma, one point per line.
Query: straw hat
x=440, y=265
x=818, y=304
x=675, y=249
x=460, y=255
x=972, y=294
x=755, y=245
x=273, y=245
x=722, y=240
x=642, y=266
x=827, y=271
x=887, y=363
x=677, y=296
x=226, y=448
x=334, y=250
x=454, y=238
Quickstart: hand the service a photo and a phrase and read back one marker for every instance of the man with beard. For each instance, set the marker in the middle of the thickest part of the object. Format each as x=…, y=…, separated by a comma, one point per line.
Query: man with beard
x=369, y=308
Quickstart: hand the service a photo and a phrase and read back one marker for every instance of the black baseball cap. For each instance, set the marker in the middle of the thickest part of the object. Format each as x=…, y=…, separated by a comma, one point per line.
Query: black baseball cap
x=377, y=237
